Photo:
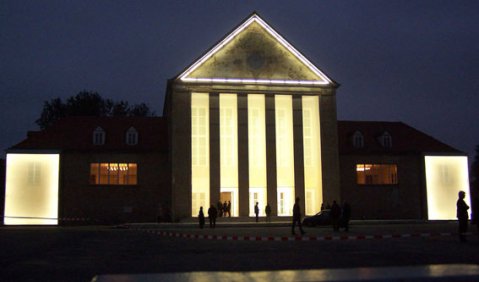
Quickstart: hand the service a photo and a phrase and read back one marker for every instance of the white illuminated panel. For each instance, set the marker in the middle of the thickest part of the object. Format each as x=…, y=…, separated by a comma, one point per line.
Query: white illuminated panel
x=284, y=153
x=256, y=19
x=229, y=148
x=257, y=152
x=200, y=152
x=312, y=155
x=31, y=191
x=445, y=177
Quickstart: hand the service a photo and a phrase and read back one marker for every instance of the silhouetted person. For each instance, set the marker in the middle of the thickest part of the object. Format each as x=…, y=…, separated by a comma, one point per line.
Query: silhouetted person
x=322, y=206
x=346, y=215
x=256, y=211
x=212, y=214
x=462, y=215
x=228, y=208
x=267, y=211
x=297, y=217
x=201, y=218
x=219, y=210
x=225, y=208
x=335, y=214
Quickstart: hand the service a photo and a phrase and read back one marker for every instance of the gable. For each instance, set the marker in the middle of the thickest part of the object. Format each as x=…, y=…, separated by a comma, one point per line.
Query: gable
x=254, y=53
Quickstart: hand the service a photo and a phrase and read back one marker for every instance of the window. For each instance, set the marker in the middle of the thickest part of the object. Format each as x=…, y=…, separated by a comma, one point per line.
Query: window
x=131, y=136
x=113, y=173
x=34, y=173
x=99, y=136
x=386, y=140
x=358, y=140
x=376, y=174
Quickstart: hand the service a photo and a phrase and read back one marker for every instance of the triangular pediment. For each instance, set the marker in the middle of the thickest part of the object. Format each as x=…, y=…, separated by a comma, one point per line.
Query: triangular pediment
x=254, y=54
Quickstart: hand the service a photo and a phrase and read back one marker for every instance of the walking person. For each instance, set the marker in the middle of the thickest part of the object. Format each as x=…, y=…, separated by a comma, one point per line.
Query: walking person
x=212, y=214
x=297, y=217
x=462, y=215
x=256, y=211
x=267, y=211
x=201, y=218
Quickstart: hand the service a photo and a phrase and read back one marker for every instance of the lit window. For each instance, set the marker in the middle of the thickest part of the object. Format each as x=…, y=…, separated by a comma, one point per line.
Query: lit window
x=99, y=136
x=132, y=136
x=376, y=174
x=358, y=140
x=386, y=140
x=113, y=173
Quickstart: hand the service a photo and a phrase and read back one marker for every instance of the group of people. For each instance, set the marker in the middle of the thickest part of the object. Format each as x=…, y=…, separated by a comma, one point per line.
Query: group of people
x=224, y=209
x=340, y=215
x=267, y=211
x=212, y=215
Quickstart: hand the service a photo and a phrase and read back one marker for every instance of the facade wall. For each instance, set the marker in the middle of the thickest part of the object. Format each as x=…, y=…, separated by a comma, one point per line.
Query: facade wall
x=405, y=200
x=148, y=201
x=329, y=146
x=180, y=127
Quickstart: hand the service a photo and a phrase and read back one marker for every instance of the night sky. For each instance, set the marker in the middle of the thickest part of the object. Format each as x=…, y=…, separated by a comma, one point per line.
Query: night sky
x=410, y=61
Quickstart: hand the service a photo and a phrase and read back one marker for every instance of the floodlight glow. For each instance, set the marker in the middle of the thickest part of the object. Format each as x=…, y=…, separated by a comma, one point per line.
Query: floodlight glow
x=200, y=152
x=284, y=153
x=255, y=18
x=312, y=155
x=31, y=190
x=229, y=148
x=445, y=177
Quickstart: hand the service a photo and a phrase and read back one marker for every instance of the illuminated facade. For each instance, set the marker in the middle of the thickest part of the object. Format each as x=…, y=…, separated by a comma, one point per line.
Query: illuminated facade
x=390, y=170
x=262, y=120
x=252, y=121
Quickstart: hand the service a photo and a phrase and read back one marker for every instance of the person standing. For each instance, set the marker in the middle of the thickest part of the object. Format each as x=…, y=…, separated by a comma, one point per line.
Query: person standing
x=462, y=215
x=212, y=214
x=297, y=217
x=201, y=218
x=335, y=214
x=267, y=211
x=228, y=208
x=256, y=211
x=346, y=215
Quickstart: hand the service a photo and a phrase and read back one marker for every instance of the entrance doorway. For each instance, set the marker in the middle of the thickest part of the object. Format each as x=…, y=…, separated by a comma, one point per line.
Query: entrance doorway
x=257, y=195
x=285, y=201
x=227, y=197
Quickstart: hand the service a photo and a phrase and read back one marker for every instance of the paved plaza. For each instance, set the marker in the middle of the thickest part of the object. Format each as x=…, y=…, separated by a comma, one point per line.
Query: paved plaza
x=83, y=252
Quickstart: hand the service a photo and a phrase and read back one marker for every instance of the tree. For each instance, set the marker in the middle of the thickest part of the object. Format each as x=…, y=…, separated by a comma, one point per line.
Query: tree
x=88, y=103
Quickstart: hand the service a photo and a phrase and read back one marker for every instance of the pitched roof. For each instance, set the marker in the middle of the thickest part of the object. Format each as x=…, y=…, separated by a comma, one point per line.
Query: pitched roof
x=254, y=53
x=76, y=133
x=405, y=139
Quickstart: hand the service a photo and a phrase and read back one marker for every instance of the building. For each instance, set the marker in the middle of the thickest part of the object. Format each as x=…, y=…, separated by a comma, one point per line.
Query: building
x=90, y=170
x=390, y=170
x=252, y=120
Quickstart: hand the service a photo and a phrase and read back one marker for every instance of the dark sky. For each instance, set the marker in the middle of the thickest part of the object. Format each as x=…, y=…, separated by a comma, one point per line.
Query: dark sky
x=410, y=61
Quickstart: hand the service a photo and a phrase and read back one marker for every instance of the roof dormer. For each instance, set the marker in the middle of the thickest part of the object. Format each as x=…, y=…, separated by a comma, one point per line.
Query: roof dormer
x=386, y=140
x=99, y=136
x=358, y=140
x=131, y=137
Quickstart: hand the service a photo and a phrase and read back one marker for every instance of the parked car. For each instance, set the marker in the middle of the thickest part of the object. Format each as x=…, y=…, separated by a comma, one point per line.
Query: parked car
x=322, y=218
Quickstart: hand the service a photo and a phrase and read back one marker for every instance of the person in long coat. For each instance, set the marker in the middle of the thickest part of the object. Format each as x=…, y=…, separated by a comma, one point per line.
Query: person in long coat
x=297, y=217
x=462, y=215
x=212, y=214
x=201, y=218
